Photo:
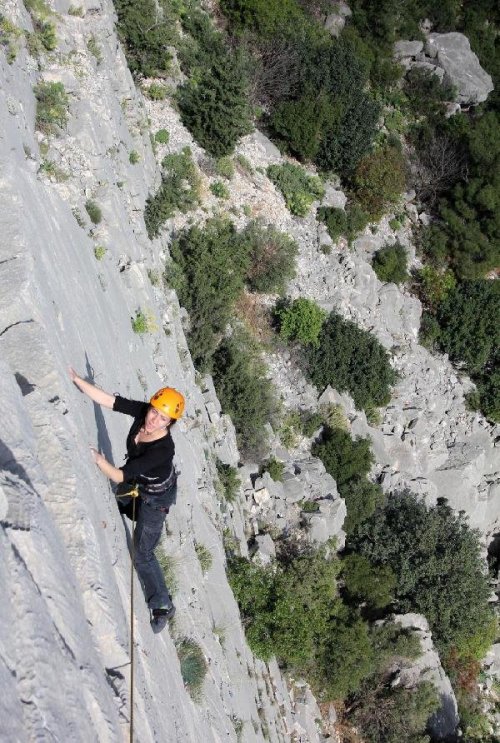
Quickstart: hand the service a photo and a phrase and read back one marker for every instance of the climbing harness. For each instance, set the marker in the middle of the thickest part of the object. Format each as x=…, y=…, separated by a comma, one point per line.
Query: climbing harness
x=128, y=490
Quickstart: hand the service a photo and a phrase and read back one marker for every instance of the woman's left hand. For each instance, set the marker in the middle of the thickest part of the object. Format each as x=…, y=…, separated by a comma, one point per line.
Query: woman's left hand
x=97, y=456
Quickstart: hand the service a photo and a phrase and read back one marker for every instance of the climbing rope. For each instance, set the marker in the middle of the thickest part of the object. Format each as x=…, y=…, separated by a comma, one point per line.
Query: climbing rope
x=131, y=491
x=132, y=622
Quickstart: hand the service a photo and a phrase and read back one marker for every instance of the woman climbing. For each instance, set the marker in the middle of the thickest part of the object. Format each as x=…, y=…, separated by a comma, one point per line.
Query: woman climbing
x=149, y=465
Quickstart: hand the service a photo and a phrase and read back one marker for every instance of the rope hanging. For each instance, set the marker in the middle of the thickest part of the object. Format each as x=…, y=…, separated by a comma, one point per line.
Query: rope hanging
x=132, y=561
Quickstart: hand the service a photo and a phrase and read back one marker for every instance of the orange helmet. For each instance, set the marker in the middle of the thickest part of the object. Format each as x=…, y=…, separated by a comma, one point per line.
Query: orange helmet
x=169, y=402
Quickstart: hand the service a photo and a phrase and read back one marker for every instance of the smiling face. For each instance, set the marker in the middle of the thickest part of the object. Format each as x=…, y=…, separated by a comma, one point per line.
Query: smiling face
x=155, y=421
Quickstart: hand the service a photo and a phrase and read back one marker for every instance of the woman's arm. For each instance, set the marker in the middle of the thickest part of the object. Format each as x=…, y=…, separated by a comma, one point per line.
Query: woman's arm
x=95, y=394
x=113, y=473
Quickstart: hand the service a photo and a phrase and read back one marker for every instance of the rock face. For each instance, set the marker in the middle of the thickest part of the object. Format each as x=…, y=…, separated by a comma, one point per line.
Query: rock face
x=64, y=562
x=427, y=667
x=450, y=57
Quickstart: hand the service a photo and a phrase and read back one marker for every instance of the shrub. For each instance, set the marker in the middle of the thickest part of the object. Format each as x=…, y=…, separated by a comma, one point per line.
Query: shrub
x=162, y=136
x=262, y=16
x=76, y=10
x=271, y=257
x=51, y=108
x=310, y=422
x=193, y=666
x=436, y=559
x=219, y=189
x=144, y=322
x=244, y=391
x=366, y=582
x=300, y=320
x=9, y=35
x=345, y=459
x=99, y=252
x=179, y=190
x=204, y=556
x=298, y=188
x=434, y=285
x=214, y=102
x=156, y=92
x=229, y=479
x=146, y=35
x=379, y=180
x=224, y=167
x=390, y=264
x=95, y=49
x=387, y=715
x=211, y=267
x=94, y=211
x=275, y=469
x=351, y=359
x=339, y=222
x=167, y=564
x=134, y=157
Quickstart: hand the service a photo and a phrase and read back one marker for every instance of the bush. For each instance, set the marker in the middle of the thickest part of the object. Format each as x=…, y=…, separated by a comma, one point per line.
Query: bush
x=390, y=264
x=467, y=327
x=298, y=188
x=387, y=715
x=179, y=190
x=219, y=189
x=275, y=469
x=146, y=34
x=271, y=257
x=266, y=17
x=94, y=211
x=162, y=136
x=214, y=101
x=434, y=285
x=379, y=180
x=244, y=392
x=99, y=252
x=204, y=556
x=339, y=222
x=300, y=320
x=351, y=359
x=210, y=269
x=436, y=559
x=156, y=92
x=134, y=157
x=224, y=167
x=345, y=459
x=310, y=422
x=52, y=106
x=229, y=480
x=9, y=35
x=193, y=666
x=144, y=322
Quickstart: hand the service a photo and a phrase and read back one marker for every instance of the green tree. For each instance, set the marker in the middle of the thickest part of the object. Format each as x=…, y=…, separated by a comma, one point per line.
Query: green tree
x=436, y=559
x=361, y=498
x=351, y=359
x=146, y=34
x=214, y=101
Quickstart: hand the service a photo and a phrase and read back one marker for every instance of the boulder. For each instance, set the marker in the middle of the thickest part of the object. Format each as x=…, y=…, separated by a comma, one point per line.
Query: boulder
x=462, y=70
x=405, y=49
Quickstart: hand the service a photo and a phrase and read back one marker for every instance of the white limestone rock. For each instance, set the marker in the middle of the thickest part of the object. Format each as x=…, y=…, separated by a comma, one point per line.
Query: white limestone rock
x=453, y=53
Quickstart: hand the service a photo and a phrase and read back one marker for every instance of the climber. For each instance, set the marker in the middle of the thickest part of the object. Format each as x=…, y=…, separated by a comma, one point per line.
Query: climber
x=149, y=465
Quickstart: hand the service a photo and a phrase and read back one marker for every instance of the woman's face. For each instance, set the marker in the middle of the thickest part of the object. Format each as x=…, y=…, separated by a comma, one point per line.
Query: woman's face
x=155, y=421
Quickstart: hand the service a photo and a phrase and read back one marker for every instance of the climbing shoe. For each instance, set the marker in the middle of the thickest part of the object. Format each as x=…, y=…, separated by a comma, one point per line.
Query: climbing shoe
x=160, y=617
